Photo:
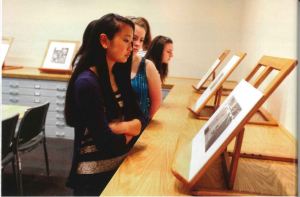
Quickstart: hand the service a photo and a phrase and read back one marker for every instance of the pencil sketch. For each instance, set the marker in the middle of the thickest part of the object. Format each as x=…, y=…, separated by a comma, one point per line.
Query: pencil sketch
x=59, y=55
x=221, y=121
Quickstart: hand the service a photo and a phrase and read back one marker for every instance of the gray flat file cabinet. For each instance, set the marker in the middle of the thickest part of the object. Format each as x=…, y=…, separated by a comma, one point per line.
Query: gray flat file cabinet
x=32, y=92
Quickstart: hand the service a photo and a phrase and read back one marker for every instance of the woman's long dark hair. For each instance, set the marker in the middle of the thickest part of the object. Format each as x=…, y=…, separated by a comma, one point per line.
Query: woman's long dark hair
x=155, y=52
x=91, y=53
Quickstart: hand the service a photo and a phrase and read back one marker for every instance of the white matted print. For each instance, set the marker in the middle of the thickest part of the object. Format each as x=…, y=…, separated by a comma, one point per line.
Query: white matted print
x=222, y=123
x=3, y=51
x=59, y=55
x=215, y=83
x=4, y=47
x=208, y=73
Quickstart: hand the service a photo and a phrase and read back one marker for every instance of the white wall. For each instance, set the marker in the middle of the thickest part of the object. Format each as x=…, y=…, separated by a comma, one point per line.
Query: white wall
x=200, y=29
x=270, y=28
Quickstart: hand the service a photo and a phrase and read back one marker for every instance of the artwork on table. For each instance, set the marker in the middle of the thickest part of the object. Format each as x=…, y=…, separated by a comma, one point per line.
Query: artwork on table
x=222, y=120
x=207, y=74
x=216, y=83
x=211, y=70
x=195, y=156
x=59, y=56
x=222, y=124
x=4, y=47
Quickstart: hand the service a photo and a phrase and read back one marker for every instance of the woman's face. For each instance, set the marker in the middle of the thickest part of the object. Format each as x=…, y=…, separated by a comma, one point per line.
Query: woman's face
x=120, y=47
x=138, y=38
x=167, y=53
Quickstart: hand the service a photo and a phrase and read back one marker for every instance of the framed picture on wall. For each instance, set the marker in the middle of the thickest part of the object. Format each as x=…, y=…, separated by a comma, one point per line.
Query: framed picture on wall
x=59, y=56
x=4, y=47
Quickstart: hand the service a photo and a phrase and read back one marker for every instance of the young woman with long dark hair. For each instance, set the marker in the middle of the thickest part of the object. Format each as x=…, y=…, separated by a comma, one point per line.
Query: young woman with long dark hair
x=100, y=104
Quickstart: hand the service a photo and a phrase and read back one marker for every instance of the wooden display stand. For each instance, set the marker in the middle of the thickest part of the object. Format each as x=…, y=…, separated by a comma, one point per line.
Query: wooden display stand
x=200, y=109
x=204, y=112
x=211, y=72
x=261, y=117
x=6, y=42
x=182, y=163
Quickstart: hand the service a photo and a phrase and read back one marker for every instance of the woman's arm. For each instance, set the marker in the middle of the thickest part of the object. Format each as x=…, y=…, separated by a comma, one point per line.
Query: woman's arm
x=92, y=115
x=154, y=85
x=132, y=128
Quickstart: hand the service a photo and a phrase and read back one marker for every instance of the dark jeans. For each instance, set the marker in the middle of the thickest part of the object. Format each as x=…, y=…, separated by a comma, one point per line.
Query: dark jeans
x=92, y=185
x=88, y=191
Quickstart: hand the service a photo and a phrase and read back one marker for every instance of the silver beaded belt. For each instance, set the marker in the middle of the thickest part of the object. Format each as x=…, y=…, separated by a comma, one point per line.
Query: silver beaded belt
x=92, y=167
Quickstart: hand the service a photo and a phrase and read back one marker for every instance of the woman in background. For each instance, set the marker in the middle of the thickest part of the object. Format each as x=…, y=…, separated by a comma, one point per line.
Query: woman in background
x=142, y=22
x=145, y=78
x=100, y=104
x=160, y=53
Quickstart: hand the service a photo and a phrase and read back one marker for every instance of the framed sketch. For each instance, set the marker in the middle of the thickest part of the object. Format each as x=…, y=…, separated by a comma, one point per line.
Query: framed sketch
x=59, y=56
x=211, y=70
x=4, y=48
x=211, y=138
x=217, y=83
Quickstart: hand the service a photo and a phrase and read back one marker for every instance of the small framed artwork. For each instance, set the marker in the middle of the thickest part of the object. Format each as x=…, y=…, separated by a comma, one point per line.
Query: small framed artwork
x=59, y=56
x=4, y=47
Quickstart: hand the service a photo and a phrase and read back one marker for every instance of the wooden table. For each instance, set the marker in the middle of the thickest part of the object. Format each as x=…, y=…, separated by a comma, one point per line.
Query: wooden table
x=147, y=169
x=10, y=110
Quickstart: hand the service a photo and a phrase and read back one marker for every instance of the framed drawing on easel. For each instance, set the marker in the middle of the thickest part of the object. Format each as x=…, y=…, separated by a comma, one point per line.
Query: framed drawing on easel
x=215, y=87
x=211, y=70
x=218, y=131
x=59, y=56
x=4, y=48
x=194, y=158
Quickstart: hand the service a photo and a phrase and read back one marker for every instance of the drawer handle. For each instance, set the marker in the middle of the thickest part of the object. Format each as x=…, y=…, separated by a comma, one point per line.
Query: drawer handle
x=13, y=100
x=60, y=134
x=60, y=103
x=60, y=110
x=12, y=92
x=14, y=85
x=60, y=88
x=60, y=96
x=36, y=101
x=37, y=86
x=59, y=124
x=60, y=117
x=37, y=94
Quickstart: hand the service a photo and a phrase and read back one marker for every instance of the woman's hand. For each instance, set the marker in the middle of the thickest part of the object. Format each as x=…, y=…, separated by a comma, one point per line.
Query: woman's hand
x=132, y=128
x=117, y=127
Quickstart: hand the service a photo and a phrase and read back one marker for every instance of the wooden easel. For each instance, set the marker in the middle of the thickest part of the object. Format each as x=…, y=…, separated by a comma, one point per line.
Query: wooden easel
x=229, y=169
x=179, y=169
x=261, y=117
x=204, y=111
x=8, y=41
x=211, y=72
